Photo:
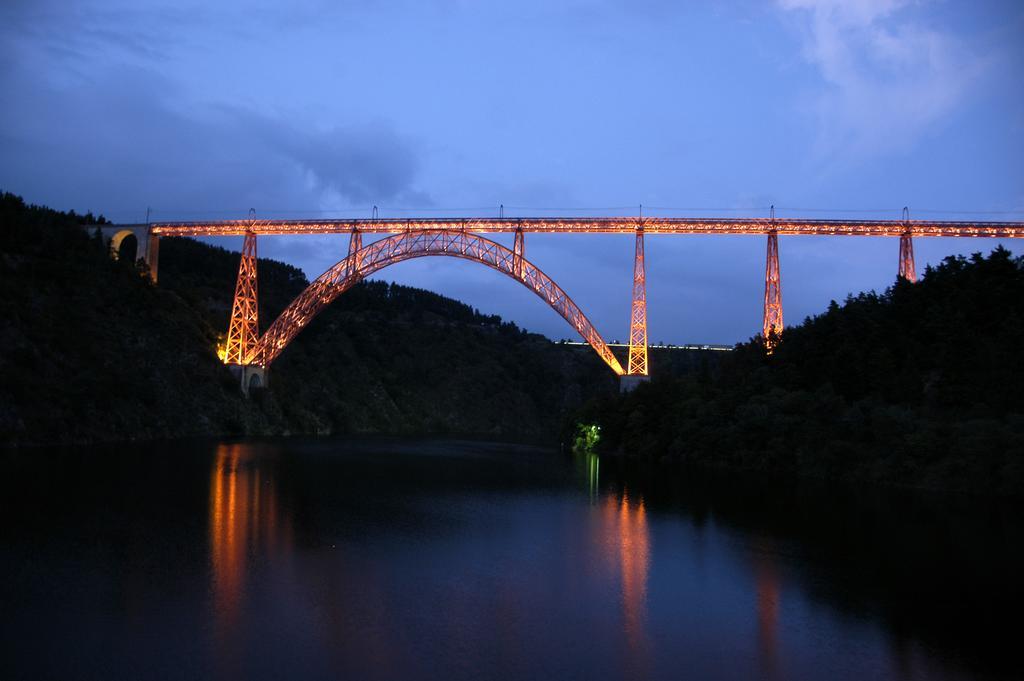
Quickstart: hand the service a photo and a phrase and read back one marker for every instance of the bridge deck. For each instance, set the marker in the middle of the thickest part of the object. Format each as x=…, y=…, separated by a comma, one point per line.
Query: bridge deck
x=601, y=225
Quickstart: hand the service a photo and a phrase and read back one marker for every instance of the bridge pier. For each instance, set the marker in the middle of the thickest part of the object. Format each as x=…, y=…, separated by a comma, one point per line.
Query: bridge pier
x=249, y=376
x=772, y=327
x=637, y=365
x=243, y=329
x=355, y=244
x=147, y=244
x=518, y=253
x=628, y=383
x=908, y=270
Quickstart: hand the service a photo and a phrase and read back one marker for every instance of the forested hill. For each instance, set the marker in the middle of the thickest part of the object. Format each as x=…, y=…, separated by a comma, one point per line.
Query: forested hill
x=920, y=385
x=93, y=352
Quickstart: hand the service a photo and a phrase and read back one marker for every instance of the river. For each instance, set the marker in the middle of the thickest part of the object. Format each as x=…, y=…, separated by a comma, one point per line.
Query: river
x=388, y=559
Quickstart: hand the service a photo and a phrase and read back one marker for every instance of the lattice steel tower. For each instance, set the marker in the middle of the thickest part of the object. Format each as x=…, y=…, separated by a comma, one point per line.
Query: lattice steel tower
x=772, y=328
x=907, y=269
x=638, y=316
x=244, y=330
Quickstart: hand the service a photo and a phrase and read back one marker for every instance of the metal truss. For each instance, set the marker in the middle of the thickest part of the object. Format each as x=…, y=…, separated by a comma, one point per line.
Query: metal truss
x=907, y=269
x=518, y=253
x=244, y=330
x=380, y=254
x=772, y=294
x=601, y=225
x=638, y=313
x=415, y=237
x=355, y=243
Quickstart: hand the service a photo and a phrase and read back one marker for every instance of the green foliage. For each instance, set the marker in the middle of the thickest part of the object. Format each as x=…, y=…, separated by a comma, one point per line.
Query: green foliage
x=919, y=385
x=588, y=435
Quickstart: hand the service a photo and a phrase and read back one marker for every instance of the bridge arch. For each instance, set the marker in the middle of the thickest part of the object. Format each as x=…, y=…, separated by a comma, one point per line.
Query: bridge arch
x=400, y=247
x=123, y=237
x=116, y=239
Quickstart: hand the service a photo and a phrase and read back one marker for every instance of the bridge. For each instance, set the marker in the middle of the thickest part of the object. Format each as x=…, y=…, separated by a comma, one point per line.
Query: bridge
x=252, y=353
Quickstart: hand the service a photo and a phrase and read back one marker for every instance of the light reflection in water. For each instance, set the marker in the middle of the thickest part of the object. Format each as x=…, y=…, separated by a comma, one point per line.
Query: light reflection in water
x=396, y=567
x=593, y=476
x=767, y=580
x=246, y=522
x=627, y=543
x=588, y=466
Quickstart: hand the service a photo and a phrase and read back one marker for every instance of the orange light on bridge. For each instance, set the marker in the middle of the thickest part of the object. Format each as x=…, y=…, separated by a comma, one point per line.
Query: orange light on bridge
x=638, y=313
x=600, y=225
x=772, y=327
x=376, y=256
x=458, y=237
x=244, y=330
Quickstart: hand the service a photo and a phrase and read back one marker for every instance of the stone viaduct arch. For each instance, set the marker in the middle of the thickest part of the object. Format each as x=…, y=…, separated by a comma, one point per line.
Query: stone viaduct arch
x=147, y=244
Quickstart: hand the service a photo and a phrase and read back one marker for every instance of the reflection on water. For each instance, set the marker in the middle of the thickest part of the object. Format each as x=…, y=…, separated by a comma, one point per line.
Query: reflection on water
x=621, y=535
x=767, y=581
x=246, y=526
x=627, y=521
x=337, y=559
x=593, y=463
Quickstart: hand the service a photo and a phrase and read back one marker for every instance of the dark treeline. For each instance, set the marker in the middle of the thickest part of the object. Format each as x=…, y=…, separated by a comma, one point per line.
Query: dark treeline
x=92, y=351
x=919, y=386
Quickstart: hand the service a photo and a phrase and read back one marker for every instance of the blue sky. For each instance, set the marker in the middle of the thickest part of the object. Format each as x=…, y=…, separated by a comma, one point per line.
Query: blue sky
x=824, y=108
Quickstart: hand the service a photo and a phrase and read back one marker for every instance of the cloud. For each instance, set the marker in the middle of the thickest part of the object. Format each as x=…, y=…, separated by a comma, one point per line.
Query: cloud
x=358, y=163
x=126, y=141
x=888, y=78
x=93, y=96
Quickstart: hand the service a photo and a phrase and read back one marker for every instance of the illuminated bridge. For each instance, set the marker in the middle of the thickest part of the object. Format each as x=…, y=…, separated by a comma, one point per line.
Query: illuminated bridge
x=410, y=238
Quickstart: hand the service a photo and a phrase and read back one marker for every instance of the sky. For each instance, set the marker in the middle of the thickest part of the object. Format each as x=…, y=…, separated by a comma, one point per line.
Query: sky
x=822, y=108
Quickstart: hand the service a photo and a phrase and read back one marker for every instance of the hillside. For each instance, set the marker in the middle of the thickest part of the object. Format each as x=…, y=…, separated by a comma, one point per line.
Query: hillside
x=94, y=352
x=918, y=386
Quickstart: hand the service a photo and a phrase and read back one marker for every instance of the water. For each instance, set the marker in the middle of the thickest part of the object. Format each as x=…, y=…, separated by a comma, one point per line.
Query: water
x=443, y=560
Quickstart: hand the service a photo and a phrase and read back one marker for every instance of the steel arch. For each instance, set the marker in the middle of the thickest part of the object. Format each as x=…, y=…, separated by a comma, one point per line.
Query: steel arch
x=405, y=246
